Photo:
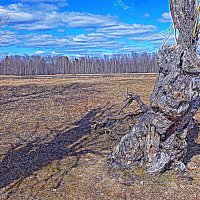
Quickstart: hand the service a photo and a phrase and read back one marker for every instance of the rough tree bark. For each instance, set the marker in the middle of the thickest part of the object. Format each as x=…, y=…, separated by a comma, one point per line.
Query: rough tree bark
x=159, y=138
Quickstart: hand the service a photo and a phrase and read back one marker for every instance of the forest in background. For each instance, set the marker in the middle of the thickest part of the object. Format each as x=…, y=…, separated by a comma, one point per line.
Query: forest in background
x=48, y=65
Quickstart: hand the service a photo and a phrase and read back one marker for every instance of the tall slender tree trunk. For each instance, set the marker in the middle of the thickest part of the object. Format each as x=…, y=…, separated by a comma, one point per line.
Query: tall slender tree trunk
x=159, y=138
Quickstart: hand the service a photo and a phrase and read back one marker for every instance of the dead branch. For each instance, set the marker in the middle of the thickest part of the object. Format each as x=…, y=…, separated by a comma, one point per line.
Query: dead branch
x=110, y=124
x=129, y=98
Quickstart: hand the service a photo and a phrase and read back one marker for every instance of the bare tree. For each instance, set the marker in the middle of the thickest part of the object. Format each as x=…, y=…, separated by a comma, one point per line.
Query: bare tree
x=158, y=140
x=35, y=65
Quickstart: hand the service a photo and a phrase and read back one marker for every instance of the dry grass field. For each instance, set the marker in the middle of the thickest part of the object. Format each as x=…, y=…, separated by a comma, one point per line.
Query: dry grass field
x=48, y=151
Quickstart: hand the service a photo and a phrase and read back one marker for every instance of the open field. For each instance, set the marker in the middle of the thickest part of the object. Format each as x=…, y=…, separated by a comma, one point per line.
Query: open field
x=48, y=151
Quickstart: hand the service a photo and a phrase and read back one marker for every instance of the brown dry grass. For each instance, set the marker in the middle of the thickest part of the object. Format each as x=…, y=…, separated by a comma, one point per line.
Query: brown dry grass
x=38, y=113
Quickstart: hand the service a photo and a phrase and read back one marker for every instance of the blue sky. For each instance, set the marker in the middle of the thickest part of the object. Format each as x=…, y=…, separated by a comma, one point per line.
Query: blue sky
x=82, y=27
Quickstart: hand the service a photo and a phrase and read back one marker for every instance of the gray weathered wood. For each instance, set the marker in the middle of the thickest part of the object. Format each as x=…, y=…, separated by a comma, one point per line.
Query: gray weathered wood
x=159, y=138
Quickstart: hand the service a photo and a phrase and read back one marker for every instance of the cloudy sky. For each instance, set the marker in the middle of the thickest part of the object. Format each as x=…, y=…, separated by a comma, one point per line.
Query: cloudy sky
x=82, y=27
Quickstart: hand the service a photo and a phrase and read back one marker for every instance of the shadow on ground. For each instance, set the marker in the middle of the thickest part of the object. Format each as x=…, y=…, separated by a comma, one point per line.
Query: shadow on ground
x=193, y=147
x=21, y=162
x=11, y=94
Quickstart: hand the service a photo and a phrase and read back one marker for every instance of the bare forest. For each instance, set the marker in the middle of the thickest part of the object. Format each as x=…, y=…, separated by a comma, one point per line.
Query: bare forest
x=48, y=65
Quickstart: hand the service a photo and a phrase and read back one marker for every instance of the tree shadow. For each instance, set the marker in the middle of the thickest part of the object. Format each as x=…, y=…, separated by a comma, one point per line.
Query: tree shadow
x=16, y=93
x=21, y=162
x=193, y=148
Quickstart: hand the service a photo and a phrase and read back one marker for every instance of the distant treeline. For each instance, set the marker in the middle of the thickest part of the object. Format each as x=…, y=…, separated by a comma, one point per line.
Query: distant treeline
x=49, y=65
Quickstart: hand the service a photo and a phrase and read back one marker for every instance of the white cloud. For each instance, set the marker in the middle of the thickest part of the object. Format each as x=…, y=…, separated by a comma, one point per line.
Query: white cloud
x=68, y=42
x=127, y=30
x=15, y=16
x=161, y=39
x=29, y=18
x=35, y=27
x=39, y=52
x=61, y=30
x=156, y=39
x=146, y=15
x=55, y=53
x=9, y=39
x=90, y=38
x=166, y=17
x=101, y=33
x=87, y=20
x=47, y=16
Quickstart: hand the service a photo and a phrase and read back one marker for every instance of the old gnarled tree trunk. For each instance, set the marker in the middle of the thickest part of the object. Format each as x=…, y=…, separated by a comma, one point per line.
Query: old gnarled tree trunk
x=159, y=138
